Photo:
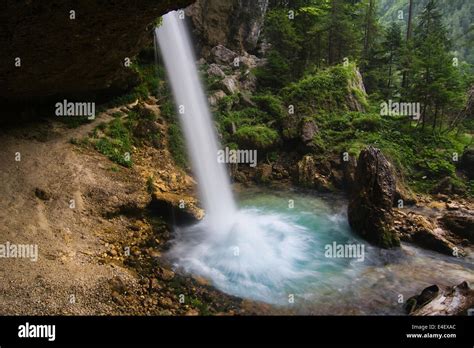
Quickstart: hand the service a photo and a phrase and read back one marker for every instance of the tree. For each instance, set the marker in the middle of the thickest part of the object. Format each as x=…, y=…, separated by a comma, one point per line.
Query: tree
x=392, y=45
x=436, y=82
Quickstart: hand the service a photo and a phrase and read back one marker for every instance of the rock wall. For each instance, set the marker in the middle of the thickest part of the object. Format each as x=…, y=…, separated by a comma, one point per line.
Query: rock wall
x=73, y=57
x=235, y=24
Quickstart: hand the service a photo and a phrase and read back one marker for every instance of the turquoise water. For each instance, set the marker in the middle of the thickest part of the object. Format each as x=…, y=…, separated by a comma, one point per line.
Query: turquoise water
x=277, y=252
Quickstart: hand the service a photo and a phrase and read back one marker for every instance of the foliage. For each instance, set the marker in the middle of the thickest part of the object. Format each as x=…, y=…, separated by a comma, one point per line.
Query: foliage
x=256, y=137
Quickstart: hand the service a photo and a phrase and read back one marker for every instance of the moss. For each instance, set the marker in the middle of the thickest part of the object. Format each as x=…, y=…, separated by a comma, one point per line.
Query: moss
x=270, y=104
x=177, y=145
x=256, y=137
x=368, y=122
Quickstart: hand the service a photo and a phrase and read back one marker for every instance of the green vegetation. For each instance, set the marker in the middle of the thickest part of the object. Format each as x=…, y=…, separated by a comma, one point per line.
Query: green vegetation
x=176, y=145
x=116, y=143
x=312, y=69
x=256, y=137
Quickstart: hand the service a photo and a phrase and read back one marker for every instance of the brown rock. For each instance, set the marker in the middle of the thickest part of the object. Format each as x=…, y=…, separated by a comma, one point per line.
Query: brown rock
x=264, y=173
x=309, y=176
x=165, y=274
x=93, y=46
x=460, y=223
x=370, y=209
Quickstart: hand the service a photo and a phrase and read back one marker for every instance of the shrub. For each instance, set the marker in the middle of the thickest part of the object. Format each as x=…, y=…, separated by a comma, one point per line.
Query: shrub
x=257, y=137
x=270, y=104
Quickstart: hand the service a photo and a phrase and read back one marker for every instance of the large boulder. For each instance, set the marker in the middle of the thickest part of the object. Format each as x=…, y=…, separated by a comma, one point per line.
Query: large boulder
x=370, y=208
x=223, y=55
x=73, y=58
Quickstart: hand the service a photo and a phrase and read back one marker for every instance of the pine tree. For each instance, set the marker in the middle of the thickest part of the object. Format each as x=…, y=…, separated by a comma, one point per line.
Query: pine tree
x=435, y=82
x=392, y=45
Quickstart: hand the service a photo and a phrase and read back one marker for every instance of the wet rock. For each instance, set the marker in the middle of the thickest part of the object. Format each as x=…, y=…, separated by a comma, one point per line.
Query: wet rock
x=264, y=173
x=309, y=176
x=418, y=301
x=240, y=176
x=42, y=194
x=454, y=300
x=348, y=171
x=370, y=208
x=460, y=223
x=417, y=229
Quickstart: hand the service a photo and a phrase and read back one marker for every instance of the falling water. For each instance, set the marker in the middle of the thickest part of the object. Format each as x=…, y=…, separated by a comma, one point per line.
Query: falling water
x=265, y=250
x=196, y=121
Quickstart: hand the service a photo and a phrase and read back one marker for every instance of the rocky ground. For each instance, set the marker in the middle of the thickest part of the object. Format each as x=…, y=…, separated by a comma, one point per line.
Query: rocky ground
x=102, y=254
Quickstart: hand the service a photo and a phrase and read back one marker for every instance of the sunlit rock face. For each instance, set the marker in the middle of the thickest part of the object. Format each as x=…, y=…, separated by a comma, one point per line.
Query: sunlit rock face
x=234, y=24
x=73, y=54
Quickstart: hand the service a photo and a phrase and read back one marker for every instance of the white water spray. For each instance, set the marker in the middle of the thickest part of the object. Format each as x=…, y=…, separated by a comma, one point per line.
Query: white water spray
x=196, y=120
x=243, y=252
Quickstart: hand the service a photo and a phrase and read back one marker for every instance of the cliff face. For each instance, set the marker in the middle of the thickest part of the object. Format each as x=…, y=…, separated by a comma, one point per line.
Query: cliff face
x=235, y=24
x=74, y=54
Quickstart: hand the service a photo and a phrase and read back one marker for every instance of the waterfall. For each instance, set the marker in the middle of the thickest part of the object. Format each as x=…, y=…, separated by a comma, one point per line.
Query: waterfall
x=196, y=121
x=241, y=250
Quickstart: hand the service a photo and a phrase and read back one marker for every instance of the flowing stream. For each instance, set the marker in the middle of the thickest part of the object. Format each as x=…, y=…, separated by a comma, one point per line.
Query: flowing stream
x=270, y=251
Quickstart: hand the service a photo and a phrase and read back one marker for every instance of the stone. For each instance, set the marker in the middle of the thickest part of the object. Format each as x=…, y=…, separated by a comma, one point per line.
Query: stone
x=42, y=194
x=308, y=130
x=433, y=300
x=229, y=84
x=165, y=274
x=308, y=175
x=427, y=295
x=215, y=70
x=215, y=97
x=222, y=55
x=264, y=173
x=370, y=208
x=419, y=230
x=352, y=99
x=460, y=223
